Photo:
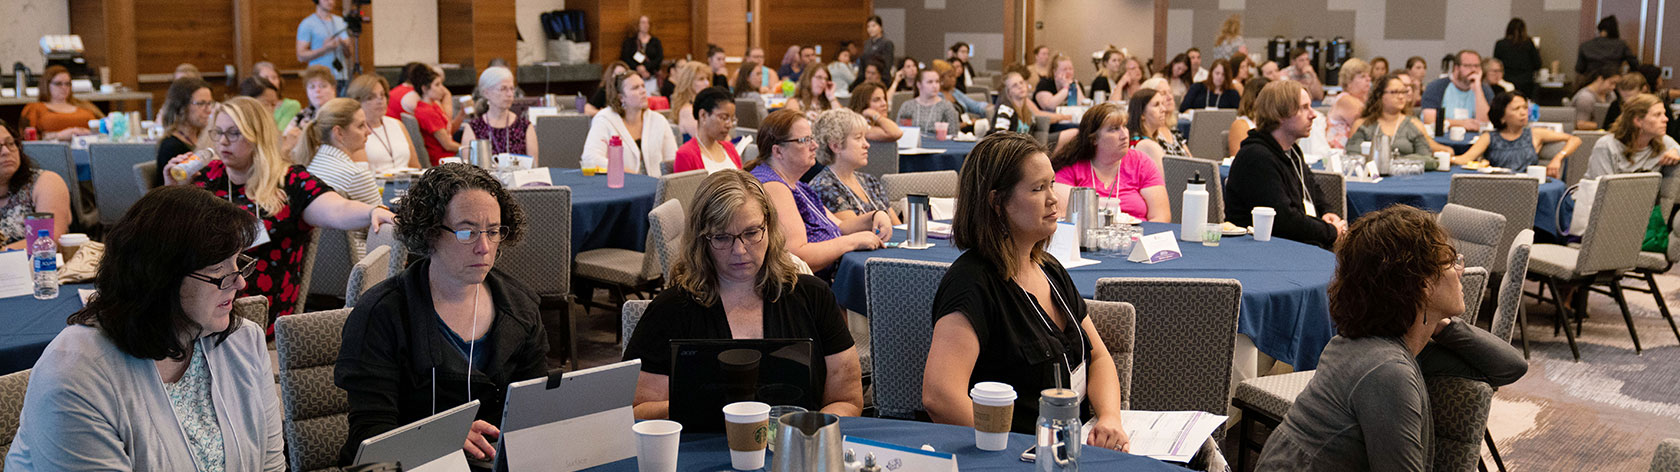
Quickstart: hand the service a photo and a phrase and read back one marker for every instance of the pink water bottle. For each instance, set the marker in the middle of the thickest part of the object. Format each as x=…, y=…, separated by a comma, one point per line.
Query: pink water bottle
x=615, y=163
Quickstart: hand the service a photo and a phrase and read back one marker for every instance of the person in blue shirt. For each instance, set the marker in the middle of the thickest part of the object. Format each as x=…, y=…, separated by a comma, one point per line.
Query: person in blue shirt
x=1467, y=93
x=321, y=39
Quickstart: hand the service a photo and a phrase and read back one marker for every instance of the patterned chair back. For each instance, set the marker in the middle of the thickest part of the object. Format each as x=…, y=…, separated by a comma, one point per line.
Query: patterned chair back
x=1474, y=284
x=560, y=140
x=307, y=276
x=883, y=159
x=633, y=310
x=317, y=417
x=146, y=177
x=113, y=170
x=1334, y=187
x=1616, y=226
x=1475, y=233
x=749, y=112
x=55, y=156
x=1510, y=288
x=254, y=308
x=12, y=388
x=1116, y=323
x=335, y=257
x=1205, y=141
x=939, y=184
x=1458, y=408
x=543, y=260
x=666, y=225
x=1177, y=172
x=1575, y=164
x=900, y=294
x=1186, y=334
x=1513, y=196
x=374, y=268
x=1667, y=458
x=411, y=126
x=680, y=186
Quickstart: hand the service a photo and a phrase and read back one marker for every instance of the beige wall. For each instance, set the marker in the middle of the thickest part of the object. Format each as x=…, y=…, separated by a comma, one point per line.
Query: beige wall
x=925, y=29
x=1080, y=27
x=21, y=31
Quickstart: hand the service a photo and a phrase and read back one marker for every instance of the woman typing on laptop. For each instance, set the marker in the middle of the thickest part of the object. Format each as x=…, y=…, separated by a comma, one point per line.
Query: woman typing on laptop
x=734, y=280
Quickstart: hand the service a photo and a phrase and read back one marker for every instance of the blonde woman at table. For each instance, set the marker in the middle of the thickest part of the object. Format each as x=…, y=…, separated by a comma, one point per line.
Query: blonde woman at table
x=1008, y=312
x=27, y=189
x=842, y=149
x=57, y=114
x=786, y=150
x=734, y=280
x=646, y=136
x=155, y=373
x=339, y=130
x=1512, y=144
x=1355, y=78
x=1102, y=158
x=710, y=149
x=814, y=93
x=388, y=147
x=690, y=79
x=1245, y=111
x=870, y=100
x=1636, y=142
x=1014, y=111
x=507, y=131
x=1151, y=120
x=1387, y=114
x=253, y=174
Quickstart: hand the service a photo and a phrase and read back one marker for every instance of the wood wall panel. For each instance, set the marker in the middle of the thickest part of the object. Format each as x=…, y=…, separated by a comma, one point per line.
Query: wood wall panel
x=172, y=32
x=726, y=26
x=274, y=31
x=455, y=31
x=495, y=34
x=610, y=21
x=670, y=20
x=790, y=22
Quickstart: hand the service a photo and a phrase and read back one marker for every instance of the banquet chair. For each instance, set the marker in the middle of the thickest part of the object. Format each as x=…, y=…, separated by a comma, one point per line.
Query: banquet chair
x=317, y=419
x=897, y=100
x=1473, y=283
x=1652, y=263
x=1562, y=115
x=543, y=260
x=741, y=131
x=900, y=296
x=1615, y=228
x=883, y=159
x=936, y=184
x=666, y=225
x=1264, y=400
x=632, y=313
x=1186, y=336
x=146, y=177
x=667, y=167
x=374, y=268
x=679, y=186
x=560, y=140
x=1507, y=315
x=1458, y=409
x=55, y=156
x=254, y=308
x=1599, y=110
x=1334, y=187
x=1041, y=130
x=412, y=126
x=336, y=254
x=1176, y=171
x=1667, y=458
x=1512, y=196
x=749, y=112
x=12, y=388
x=307, y=273
x=1575, y=164
x=1474, y=233
x=1116, y=324
x=1205, y=138
x=112, y=164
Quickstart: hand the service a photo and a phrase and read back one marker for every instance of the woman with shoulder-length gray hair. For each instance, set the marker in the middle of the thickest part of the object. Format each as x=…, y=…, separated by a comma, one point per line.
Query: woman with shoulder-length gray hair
x=735, y=280
x=450, y=328
x=843, y=149
x=508, y=132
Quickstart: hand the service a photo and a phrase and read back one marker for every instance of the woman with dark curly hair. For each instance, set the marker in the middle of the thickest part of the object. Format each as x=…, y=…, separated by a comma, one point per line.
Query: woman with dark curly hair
x=1394, y=295
x=450, y=328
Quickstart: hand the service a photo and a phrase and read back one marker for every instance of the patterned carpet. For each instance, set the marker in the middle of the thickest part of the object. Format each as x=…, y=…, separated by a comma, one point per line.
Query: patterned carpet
x=1605, y=413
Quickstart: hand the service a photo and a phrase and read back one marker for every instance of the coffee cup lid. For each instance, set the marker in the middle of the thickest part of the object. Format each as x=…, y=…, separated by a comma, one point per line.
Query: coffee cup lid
x=72, y=239
x=1264, y=211
x=993, y=390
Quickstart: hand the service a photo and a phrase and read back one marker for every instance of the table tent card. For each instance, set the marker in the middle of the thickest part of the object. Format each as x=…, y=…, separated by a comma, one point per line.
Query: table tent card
x=1158, y=247
x=894, y=457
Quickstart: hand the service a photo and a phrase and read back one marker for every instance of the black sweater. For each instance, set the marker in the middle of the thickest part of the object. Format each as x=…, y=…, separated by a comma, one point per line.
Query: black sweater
x=1263, y=176
x=393, y=344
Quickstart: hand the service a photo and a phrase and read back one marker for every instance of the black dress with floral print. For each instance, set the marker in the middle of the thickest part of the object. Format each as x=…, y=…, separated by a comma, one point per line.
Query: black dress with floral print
x=280, y=260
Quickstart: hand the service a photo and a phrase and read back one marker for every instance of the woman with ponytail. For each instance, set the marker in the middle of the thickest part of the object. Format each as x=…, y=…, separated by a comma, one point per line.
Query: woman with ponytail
x=339, y=130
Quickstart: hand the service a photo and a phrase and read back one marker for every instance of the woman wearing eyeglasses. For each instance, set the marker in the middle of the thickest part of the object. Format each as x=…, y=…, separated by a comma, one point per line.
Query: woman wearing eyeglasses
x=253, y=174
x=155, y=373
x=507, y=131
x=186, y=112
x=58, y=115
x=450, y=328
x=735, y=281
x=786, y=149
x=26, y=188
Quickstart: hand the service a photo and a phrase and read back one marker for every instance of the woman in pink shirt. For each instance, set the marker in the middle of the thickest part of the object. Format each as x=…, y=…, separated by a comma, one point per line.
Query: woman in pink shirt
x=1102, y=158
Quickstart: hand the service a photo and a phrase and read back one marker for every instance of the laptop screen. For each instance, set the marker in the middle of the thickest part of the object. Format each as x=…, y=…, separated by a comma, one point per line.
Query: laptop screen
x=707, y=374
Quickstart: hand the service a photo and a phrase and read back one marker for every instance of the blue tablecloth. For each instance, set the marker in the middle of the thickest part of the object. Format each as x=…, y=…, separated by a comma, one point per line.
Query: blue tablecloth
x=604, y=217
x=31, y=324
x=1429, y=192
x=1285, y=305
x=1459, y=146
x=710, y=452
x=951, y=157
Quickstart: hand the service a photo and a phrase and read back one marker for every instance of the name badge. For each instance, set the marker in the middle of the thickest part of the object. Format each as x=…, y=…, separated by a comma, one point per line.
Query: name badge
x=262, y=235
x=640, y=57
x=1158, y=247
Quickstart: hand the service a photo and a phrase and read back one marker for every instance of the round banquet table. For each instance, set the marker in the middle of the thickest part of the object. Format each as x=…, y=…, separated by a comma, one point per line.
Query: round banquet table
x=602, y=217
x=1459, y=146
x=1428, y=191
x=1285, y=303
x=31, y=324
x=710, y=452
x=950, y=156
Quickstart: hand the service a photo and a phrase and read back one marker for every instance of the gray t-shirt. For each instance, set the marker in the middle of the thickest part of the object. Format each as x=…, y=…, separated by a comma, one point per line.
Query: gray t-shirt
x=1607, y=158
x=924, y=116
x=1584, y=101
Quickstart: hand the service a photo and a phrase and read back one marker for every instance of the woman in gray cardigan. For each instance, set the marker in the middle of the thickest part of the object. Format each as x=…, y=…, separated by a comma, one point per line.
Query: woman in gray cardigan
x=155, y=374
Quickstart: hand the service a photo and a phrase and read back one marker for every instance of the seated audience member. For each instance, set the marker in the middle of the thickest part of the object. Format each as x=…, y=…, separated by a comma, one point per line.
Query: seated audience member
x=1006, y=311
x=870, y=100
x=948, y=76
x=750, y=73
x=254, y=174
x=1416, y=71
x=1463, y=96
x=1215, y=92
x=57, y=114
x=1598, y=89
x=598, y=101
x=645, y=135
x=1355, y=78
x=401, y=98
x=1038, y=64
x=30, y=189
x=1628, y=86
x=1270, y=71
x=1110, y=73
x=1179, y=76
x=1512, y=144
x=1637, y=142
x=797, y=59
x=1102, y=158
x=1269, y=170
x=339, y=130
x=1379, y=67
x=1393, y=299
x=734, y=280
x=450, y=328
x=691, y=78
x=869, y=74
x=267, y=94
x=714, y=113
x=284, y=108
x=1055, y=90
x=843, y=149
x=1386, y=114
x=1014, y=111
x=186, y=112
x=319, y=86
x=905, y=78
x=964, y=63
x=786, y=150
x=1245, y=115
x=1493, y=72
x=437, y=124
x=929, y=107
x=155, y=373
x=1151, y=120
x=1301, y=71
x=1242, y=69
x=388, y=145
x=768, y=81
x=507, y=131
x=842, y=69
x=718, y=62
x=814, y=93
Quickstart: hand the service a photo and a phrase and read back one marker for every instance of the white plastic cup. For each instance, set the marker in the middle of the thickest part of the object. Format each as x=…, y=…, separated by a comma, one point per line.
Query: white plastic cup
x=1457, y=133
x=739, y=415
x=1444, y=161
x=940, y=130
x=988, y=397
x=1537, y=172
x=656, y=445
x=1263, y=217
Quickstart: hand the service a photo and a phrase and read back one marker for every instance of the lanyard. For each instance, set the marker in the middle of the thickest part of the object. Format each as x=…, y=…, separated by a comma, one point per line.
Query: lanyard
x=1067, y=362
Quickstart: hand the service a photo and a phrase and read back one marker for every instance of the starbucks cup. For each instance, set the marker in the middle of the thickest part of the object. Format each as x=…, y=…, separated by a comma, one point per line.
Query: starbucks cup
x=1263, y=217
x=747, y=425
x=994, y=412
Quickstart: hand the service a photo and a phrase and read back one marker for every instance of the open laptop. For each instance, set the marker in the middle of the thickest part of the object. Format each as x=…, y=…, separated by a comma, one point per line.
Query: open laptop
x=596, y=402
x=707, y=374
x=432, y=444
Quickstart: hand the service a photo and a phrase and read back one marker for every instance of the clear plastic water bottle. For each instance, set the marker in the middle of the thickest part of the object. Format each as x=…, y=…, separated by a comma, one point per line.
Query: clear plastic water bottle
x=43, y=257
x=1059, y=434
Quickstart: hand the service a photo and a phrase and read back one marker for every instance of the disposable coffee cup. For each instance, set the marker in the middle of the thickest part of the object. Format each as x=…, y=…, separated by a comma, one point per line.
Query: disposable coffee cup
x=1443, y=160
x=994, y=412
x=656, y=445
x=69, y=243
x=747, y=425
x=940, y=129
x=1538, y=172
x=1457, y=133
x=1263, y=217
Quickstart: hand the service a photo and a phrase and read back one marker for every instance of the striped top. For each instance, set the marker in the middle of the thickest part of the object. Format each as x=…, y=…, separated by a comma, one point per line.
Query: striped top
x=334, y=167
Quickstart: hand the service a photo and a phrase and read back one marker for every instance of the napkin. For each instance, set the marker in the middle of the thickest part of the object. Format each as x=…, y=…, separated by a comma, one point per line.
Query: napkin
x=84, y=265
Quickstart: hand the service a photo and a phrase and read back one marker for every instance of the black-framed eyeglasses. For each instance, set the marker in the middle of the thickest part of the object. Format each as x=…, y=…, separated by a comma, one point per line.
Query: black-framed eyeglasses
x=726, y=241
x=202, y=103
x=216, y=135
x=804, y=140
x=467, y=236
x=247, y=266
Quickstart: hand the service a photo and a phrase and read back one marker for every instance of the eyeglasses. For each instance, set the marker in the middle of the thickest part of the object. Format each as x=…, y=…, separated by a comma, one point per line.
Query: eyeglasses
x=467, y=236
x=216, y=135
x=726, y=241
x=1398, y=91
x=247, y=266
x=9, y=144
x=1458, y=262
x=203, y=103
x=804, y=140
x=56, y=83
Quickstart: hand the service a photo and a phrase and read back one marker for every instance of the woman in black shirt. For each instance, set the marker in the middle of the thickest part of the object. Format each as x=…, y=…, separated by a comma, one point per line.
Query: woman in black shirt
x=734, y=280
x=1006, y=311
x=1215, y=92
x=186, y=112
x=1519, y=54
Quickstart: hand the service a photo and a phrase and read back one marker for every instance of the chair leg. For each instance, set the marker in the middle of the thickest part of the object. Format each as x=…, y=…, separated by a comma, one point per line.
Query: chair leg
x=1621, y=302
x=1242, y=440
x=1562, y=318
x=1493, y=448
x=1522, y=328
x=1662, y=305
